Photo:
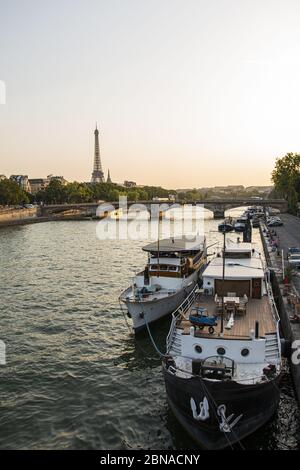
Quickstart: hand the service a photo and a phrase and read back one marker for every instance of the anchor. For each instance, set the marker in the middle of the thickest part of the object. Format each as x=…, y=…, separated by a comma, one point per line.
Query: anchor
x=203, y=415
x=225, y=425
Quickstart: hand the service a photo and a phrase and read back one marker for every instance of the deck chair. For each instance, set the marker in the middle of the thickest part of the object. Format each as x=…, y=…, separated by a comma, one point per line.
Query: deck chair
x=218, y=301
x=241, y=308
x=230, y=307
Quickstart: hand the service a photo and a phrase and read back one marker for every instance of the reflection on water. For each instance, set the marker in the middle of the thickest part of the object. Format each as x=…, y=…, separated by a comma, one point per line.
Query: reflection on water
x=75, y=377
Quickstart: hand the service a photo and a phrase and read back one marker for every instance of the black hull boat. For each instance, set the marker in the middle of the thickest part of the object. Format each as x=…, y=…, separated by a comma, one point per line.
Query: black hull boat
x=223, y=362
x=233, y=411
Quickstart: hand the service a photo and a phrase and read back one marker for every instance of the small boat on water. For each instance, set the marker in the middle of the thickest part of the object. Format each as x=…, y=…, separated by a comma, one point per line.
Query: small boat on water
x=227, y=225
x=174, y=268
x=223, y=362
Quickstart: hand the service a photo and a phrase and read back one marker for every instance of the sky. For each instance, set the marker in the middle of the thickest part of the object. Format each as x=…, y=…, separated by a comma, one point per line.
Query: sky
x=186, y=93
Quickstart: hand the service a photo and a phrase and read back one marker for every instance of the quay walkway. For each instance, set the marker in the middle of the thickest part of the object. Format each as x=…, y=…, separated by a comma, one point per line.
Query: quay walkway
x=288, y=236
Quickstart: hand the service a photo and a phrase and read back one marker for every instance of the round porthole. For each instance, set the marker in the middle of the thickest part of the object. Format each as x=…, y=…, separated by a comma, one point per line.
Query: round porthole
x=221, y=351
x=198, y=349
x=245, y=352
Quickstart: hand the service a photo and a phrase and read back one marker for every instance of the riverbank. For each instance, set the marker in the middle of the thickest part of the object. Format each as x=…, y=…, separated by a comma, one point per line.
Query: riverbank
x=12, y=216
x=288, y=235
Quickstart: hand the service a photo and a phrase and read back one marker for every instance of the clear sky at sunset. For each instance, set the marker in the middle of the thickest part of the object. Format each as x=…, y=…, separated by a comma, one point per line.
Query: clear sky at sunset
x=187, y=93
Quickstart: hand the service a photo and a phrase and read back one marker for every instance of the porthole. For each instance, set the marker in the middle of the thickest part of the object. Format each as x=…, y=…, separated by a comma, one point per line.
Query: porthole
x=245, y=352
x=221, y=351
x=198, y=349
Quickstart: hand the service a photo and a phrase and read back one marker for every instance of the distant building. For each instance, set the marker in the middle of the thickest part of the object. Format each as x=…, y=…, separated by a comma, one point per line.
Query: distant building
x=259, y=189
x=129, y=184
x=229, y=188
x=57, y=178
x=38, y=184
x=108, y=177
x=22, y=181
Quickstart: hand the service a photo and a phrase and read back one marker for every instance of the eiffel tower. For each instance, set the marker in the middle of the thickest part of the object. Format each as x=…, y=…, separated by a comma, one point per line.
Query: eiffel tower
x=97, y=175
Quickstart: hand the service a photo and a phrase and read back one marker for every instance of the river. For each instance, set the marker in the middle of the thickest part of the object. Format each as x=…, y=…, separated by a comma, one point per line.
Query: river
x=75, y=377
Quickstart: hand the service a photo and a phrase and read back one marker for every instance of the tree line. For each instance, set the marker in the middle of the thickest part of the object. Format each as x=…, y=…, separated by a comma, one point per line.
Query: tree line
x=57, y=193
x=285, y=176
x=286, y=179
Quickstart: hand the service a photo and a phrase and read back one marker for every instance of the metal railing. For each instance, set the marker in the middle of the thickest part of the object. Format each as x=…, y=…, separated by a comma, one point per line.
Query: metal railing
x=181, y=310
x=276, y=317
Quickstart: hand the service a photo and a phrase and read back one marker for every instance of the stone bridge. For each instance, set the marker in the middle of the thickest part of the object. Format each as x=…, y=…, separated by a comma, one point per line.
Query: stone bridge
x=217, y=206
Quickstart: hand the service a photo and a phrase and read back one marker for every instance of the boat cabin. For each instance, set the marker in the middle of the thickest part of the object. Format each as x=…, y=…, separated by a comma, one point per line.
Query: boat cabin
x=174, y=257
x=243, y=273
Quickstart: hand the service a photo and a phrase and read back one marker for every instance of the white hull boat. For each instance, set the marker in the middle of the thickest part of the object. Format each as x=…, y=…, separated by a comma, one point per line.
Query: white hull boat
x=162, y=303
x=173, y=270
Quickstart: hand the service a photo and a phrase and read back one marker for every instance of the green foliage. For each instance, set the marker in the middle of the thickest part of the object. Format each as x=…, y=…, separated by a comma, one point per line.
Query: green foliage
x=192, y=195
x=57, y=193
x=11, y=193
x=77, y=192
x=289, y=273
x=286, y=178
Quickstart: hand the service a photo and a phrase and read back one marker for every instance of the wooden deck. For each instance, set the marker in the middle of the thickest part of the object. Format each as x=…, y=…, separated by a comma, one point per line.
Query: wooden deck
x=257, y=310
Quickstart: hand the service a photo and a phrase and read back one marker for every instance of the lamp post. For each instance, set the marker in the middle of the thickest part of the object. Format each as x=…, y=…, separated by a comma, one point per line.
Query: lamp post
x=223, y=284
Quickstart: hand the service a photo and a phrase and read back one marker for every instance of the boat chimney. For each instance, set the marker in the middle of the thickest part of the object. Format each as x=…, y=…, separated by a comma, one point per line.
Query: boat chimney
x=256, y=330
x=247, y=232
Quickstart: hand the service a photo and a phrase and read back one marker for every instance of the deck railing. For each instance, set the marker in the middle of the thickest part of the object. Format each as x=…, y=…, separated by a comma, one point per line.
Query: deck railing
x=275, y=316
x=181, y=310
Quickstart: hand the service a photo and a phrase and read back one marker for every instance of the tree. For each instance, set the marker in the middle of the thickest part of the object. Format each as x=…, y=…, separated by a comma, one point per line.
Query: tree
x=286, y=178
x=77, y=192
x=11, y=193
x=55, y=193
x=113, y=195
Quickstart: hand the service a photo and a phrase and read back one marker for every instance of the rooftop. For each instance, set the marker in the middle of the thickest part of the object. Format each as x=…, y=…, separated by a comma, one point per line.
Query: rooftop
x=235, y=268
x=170, y=245
x=238, y=247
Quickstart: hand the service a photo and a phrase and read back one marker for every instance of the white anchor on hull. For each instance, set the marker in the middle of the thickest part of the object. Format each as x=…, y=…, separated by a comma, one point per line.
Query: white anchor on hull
x=203, y=415
x=225, y=425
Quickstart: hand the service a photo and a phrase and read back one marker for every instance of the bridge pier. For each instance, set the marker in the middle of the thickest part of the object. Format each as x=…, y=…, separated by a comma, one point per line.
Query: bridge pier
x=219, y=214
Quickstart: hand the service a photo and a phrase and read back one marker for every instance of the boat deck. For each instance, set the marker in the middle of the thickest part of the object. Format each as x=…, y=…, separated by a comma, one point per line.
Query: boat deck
x=133, y=296
x=257, y=310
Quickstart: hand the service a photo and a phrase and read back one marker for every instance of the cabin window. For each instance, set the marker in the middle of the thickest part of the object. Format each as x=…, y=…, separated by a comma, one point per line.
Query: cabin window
x=172, y=268
x=221, y=351
x=153, y=267
x=163, y=267
x=245, y=352
x=198, y=349
x=234, y=255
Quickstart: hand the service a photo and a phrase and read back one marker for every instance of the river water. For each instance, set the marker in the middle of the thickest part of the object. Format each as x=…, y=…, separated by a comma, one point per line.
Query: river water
x=75, y=377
